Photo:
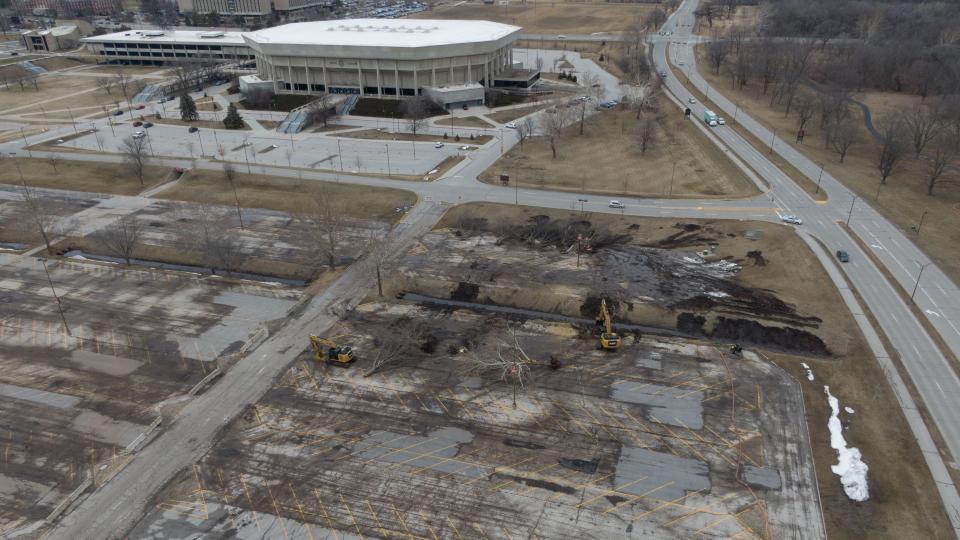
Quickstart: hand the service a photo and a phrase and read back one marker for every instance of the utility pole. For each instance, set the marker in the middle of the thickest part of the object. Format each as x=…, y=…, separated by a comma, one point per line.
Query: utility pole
x=56, y=298
x=25, y=144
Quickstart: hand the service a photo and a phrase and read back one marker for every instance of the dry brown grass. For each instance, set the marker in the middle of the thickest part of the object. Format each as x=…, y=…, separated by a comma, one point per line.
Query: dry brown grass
x=547, y=17
x=606, y=160
x=903, y=502
x=208, y=124
x=54, y=63
x=287, y=194
x=510, y=115
x=464, y=121
x=745, y=17
x=903, y=200
x=379, y=135
x=80, y=176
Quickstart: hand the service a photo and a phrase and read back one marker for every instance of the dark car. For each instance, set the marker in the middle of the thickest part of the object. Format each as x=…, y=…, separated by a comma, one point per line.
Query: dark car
x=148, y=124
x=193, y=129
x=137, y=123
x=117, y=112
x=842, y=256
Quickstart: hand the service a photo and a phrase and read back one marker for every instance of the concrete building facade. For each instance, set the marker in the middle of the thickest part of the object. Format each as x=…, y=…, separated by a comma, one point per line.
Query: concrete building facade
x=385, y=58
x=249, y=8
x=55, y=39
x=161, y=47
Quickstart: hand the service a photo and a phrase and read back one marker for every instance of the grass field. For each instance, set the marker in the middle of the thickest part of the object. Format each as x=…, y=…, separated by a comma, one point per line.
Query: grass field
x=376, y=134
x=606, y=160
x=509, y=115
x=546, y=17
x=288, y=194
x=79, y=176
x=464, y=121
x=903, y=199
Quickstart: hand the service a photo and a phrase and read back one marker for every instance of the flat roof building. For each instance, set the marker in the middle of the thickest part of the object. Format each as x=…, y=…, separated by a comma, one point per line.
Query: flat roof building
x=159, y=47
x=388, y=58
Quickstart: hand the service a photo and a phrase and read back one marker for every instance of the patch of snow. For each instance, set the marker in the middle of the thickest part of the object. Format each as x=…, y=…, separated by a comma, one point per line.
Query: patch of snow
x=434, y=171
x=850, y=467
x=809, y=371
x=717, y=294
x=849, y=410
x=932, y=312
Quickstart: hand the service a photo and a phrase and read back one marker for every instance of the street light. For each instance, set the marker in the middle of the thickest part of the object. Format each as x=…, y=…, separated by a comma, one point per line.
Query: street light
x=919, y=275
x=923, y=215
x=850, y=213
x=819, y=178
x=56, y=298
x=201, y=142
x=25, y=145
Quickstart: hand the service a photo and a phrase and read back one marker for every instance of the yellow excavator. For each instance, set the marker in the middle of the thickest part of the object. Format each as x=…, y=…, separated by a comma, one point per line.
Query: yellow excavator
x=609, y=340
x=327, y=350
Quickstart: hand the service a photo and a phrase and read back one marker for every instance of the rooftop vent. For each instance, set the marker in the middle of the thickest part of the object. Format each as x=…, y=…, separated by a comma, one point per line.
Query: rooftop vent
x=211, y=34
x=153, y=33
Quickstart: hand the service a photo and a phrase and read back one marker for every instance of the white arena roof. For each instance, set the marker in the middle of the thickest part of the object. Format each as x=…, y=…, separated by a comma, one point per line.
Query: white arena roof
x=383, y=33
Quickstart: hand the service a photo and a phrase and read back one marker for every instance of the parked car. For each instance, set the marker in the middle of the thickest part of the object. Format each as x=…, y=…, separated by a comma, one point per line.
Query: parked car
x=137, y=123
x=465, y=107
x=438, y=145
x=148, y=124
x=791, y=219
x=14, y=53
x=141, y=107
x=117, y=112
x=139, y=134
x=465, y=148
x=193, y=129
x=842, y=256
x=616, y=204
x=511, y=125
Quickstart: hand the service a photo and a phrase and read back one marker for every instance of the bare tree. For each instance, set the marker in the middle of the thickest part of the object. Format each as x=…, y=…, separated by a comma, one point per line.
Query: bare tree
x=891, y=149
x=230, y=173
x=121, y=237
x=135, y=155
x=39, y=213
x=122, y=80
x=805, y=106
x=220, y=247
x=645, y=133
x=553, y=121
x=525, y=128
x=416, y=110
x=53, y=159
x=641, y=97
x=843, y=136
x=105, y=83
x=717, y=51
x=506, y=362
x=924, y=124
x=937, y=163
x=324, y=218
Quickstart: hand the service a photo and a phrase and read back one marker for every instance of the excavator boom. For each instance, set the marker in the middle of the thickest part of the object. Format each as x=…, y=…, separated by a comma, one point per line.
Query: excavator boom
x=327, y=350
x=609, y=340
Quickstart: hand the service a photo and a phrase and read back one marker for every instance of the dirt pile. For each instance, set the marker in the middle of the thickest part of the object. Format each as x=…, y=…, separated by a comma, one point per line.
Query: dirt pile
x=749, y=331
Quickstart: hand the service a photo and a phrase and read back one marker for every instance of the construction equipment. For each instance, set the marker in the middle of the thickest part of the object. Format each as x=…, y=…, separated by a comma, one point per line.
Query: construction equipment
x=327, y=350
x=609, y=340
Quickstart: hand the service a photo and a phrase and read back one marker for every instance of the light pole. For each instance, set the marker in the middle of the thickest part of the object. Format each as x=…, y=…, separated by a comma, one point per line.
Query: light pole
x=919, y=275
x=773, y=139
x=850, y=213
x=340, y=154
x=501, y=140
x=56, y=298
x=876, y=197
x=73, y=122
x=672, y=175
x=923, y=215
x=819, y=178
x=25, y=145
x=199, y=138
x=387, y=145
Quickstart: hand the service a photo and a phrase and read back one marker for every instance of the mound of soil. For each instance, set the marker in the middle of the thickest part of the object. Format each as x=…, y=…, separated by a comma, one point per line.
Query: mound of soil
x=748, y=331
x=465, y=292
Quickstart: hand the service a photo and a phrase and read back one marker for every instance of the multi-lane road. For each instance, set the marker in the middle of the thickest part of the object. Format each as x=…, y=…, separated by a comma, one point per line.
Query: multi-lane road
x=114, y=507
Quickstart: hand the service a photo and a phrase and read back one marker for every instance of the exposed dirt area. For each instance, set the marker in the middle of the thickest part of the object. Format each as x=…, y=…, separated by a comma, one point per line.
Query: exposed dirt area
x=428, y=448
x=204, y=124
x=384, y=135
x=903, y=199
x=544, y=17
x=681, y=163
x=288, y=195
x=509, y=115
x=80, y=176
x=54, y=63
x=463, y=121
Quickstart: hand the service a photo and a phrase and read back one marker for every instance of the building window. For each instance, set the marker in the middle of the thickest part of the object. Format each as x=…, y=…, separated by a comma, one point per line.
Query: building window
x=316, y=87
x=300, y=86
x=370, y=90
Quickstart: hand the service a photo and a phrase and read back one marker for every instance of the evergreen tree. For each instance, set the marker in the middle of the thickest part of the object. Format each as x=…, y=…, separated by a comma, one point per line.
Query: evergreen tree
x=233, y=120
x=188, y=109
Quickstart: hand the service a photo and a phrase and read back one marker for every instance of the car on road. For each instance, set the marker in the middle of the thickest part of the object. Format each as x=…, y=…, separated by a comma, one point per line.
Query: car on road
x=148, y=124
x=438, y=145
x=561, y=37
x=791, y=219
x=117, y=112
x=721, y=121
x=141, y=107
x=465, y=107
x=137, y=123
x=466, y=148
x=139, y=134
x=193, y=129
x=14, y=53
x=616, y=204
x=511, y=125
x=691, y=100
x=842, y=256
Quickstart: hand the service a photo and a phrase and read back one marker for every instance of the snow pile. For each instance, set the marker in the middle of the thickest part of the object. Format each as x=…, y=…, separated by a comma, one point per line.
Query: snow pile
x=809, y=371
x=849, y=410
x=850, y=468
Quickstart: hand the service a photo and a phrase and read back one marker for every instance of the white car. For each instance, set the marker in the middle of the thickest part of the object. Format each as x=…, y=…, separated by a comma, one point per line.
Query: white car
x=791, y=219
x=139, y=134
x=616, y=204
x=691, y=100
x=438, y=145
x=713, y=123
x=511, y=125
x=721, y=121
